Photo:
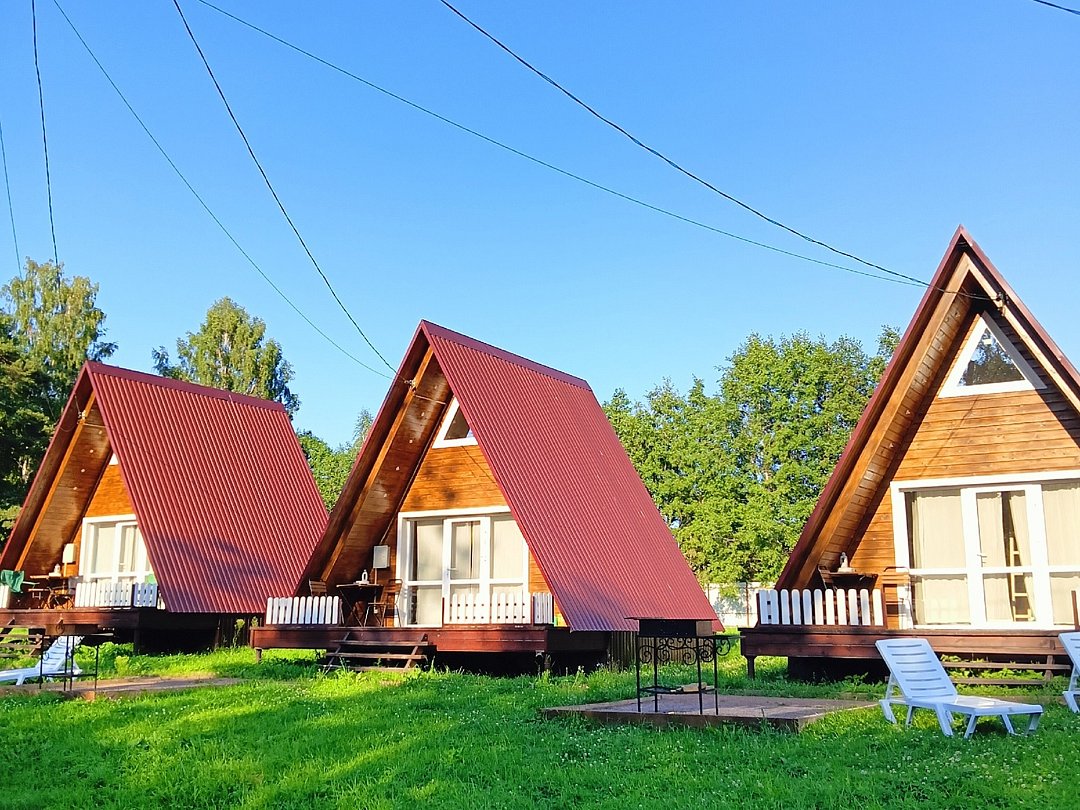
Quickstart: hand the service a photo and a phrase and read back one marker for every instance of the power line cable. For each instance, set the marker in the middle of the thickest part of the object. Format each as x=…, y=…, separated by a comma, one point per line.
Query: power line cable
x=203, y=203
x=675, y=165
x=546, y=164
x=273, y=193
x=44, y=139
x=1059, y=8
x=11, y=209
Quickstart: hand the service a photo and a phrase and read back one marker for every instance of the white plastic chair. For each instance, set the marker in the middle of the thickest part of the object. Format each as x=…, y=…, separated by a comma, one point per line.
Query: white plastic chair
x=1071, y=643
x=54, y=663
x=922, y=682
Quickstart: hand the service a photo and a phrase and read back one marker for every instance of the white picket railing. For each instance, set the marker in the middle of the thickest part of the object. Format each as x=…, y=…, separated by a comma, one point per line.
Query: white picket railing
x=303, y=610
x=106, y=593
x=543, y=608
x=830, y=607
x=144, y=594
x=505, y=608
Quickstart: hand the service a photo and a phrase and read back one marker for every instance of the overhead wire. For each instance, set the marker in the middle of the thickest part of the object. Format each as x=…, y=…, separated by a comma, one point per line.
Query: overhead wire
x=44, y=138
x=540, y=162
x=273, y=192
x=11, y=208
x=202, y=202
x=1059, y=8
x=655, y=152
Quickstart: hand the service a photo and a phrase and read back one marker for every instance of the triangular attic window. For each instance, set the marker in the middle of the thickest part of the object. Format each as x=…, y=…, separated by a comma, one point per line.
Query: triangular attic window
x=454, y=430
x=989, y=363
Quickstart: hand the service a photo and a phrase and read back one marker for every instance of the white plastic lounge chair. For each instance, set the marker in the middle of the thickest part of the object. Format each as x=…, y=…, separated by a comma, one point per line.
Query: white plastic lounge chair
x=922, y=682
x=1071, y=643
x=53, y=664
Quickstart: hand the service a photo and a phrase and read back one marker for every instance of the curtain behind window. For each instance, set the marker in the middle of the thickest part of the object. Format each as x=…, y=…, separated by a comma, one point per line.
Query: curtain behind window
x=936, y=540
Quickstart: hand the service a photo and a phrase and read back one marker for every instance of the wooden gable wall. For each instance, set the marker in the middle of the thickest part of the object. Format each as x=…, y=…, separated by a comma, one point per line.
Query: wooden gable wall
x=982, y=434
x=457, y=478
x=848, y=514
x=453, y=478
x=365, y=515
x=69, y=494
x=406, y=474
x=109, y=498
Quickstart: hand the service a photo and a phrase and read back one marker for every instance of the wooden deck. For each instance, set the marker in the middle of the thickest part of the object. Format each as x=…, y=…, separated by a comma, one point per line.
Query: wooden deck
x=681, y=711
x=485, y=638
x=800, y=644
x=148, y=628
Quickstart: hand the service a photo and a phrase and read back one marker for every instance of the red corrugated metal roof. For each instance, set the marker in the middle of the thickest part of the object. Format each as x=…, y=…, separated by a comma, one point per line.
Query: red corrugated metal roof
x=222, y=492
x=591, y=524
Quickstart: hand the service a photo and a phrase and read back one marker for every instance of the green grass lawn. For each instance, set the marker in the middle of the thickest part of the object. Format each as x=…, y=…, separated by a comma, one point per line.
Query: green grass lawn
x=287, y=737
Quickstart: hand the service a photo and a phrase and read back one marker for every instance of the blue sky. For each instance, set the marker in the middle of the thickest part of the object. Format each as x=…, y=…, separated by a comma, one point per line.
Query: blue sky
x=876, y=127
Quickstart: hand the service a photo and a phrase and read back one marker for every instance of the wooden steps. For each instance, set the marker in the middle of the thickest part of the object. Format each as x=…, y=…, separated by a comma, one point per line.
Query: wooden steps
x=360, y=653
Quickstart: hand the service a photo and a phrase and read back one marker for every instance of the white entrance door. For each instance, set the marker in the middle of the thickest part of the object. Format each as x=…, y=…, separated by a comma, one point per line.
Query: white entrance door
x=464, y=569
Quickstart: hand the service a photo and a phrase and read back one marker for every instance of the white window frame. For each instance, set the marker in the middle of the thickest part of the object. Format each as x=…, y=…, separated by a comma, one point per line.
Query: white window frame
x=440, y=437
x=485, y=514
x=140, y=570
x=1030, y=379
x=968, y=488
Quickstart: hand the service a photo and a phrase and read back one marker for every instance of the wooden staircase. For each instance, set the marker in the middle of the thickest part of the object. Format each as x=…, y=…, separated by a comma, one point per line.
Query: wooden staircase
x=360, y=653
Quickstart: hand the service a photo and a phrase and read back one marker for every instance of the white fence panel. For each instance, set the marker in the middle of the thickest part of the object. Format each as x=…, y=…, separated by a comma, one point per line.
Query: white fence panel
x=504, y=608
x=510, y=608
x=543, y=605
x=833, y=607
x=106, y=593
x=144, y=594
x=303, y=610
x=466, y=608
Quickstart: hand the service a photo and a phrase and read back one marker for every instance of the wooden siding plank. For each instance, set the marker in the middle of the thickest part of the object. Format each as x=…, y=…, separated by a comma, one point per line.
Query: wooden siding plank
x=69, y=493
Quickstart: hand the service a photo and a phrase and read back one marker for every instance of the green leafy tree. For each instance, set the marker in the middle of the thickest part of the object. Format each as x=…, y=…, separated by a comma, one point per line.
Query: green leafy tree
x=49, y=326
x=329, y=466
x=361, y=428
x=231, y=351
x=737, y=473
x=787, y=409
x=56, y=325
x=22, y=422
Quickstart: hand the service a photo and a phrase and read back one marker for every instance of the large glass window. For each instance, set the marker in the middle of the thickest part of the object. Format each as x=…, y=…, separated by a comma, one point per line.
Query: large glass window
x=989, y=363
x=454, y=430
x=464, y=569
x=995, y=555
x=1061, y=509
x=935, y=522
x=113, y=549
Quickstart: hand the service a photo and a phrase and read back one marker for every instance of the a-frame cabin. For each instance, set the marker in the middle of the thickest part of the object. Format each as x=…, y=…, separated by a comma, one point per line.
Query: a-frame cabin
x=162, y=512
x=494, y=498
x=957, y=499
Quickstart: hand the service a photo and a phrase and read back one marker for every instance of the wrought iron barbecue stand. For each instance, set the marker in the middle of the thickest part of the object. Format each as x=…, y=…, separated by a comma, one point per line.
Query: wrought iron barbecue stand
x=677, y=641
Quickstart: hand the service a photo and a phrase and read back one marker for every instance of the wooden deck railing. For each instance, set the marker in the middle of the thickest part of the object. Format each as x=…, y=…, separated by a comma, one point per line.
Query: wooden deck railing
x=102, y=593
x=829, y=607
x=303, y=610
x=505, y=608
x=543, y=608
